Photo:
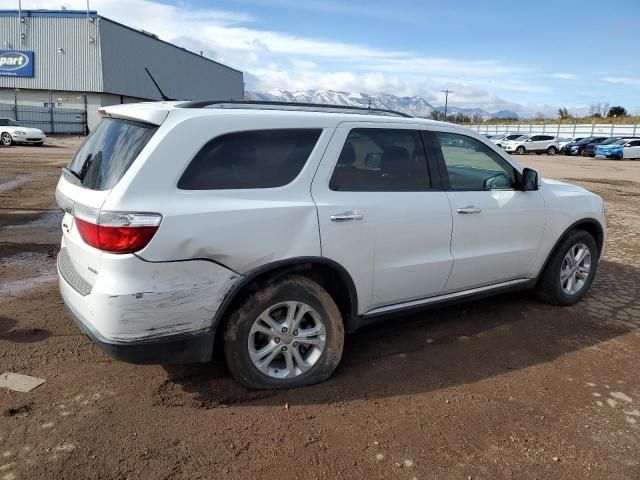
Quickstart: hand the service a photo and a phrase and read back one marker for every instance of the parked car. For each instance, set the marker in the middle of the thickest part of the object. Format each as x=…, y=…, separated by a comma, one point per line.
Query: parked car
x=622, y=148
x=577, y=146
x=12, y=132
x=272, y=230
x=532, y=144
x=562, y=141
x=505, y=138
x=589, y=150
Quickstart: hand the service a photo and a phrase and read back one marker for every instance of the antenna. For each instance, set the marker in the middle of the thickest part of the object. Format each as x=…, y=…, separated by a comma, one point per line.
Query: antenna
x=162, y=95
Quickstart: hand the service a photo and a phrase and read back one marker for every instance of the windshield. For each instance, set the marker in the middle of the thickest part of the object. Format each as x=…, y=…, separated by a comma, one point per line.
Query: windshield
x=609, y=141
x=522, y=137
x=584, y=141
x=7, y=121
x=109, y=151
x=619, y=142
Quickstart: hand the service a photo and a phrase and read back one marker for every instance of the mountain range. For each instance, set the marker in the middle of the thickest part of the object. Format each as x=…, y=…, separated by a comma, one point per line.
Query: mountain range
x=415, y=106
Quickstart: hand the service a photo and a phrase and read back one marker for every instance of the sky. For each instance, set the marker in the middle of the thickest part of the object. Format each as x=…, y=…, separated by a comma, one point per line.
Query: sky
x=530, y=57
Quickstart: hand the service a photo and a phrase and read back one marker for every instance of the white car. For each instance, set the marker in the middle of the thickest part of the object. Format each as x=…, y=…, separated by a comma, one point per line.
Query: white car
x=272, y=230
x=534, y=143
x=502, y=139
x=12, y=132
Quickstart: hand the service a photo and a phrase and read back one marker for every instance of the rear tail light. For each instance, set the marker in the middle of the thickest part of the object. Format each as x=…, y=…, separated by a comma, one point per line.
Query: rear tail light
x=115, y=232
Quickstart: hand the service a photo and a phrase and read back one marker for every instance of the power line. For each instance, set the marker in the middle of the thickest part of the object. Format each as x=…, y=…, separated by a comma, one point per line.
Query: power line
x=446, y=100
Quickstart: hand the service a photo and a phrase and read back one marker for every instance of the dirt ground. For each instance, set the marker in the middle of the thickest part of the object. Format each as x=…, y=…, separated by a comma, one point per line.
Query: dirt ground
x=506, y=387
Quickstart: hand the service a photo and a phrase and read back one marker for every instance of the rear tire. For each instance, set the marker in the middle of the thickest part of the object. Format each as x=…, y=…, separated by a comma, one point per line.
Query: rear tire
x=565, y=281
x=520, y=150
x=6, y=139
x=551, y=150
x=267, y=348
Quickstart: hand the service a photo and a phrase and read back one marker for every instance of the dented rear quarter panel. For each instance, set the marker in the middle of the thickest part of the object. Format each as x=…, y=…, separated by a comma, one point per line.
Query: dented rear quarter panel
x=241, y=229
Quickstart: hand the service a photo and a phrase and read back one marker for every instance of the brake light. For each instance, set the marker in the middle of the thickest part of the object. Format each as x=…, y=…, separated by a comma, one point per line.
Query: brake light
x=116, y=232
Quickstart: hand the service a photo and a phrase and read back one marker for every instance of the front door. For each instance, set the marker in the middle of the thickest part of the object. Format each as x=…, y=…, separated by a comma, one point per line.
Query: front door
x=379, y=216
x=497, y=228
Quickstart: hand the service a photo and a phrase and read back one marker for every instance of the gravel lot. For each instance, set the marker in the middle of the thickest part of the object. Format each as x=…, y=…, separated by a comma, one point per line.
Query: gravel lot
x=503, y=387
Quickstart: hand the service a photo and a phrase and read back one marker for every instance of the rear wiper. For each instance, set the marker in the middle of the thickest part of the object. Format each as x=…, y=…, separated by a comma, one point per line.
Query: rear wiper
x=67, y=170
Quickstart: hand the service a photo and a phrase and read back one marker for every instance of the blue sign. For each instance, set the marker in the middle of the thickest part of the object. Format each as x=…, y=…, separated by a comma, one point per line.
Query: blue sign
x=16, y=63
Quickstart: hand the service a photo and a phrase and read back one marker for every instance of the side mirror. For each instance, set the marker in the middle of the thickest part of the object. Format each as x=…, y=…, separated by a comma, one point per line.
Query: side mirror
x=529, y=180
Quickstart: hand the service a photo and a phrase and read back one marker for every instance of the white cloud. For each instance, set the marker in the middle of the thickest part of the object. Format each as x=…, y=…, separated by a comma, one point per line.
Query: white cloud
x=565, y=76
x=277, y=59
x=623, y=80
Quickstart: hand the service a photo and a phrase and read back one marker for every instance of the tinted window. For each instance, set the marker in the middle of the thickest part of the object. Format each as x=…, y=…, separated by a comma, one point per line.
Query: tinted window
x=376, y=159
x=109, y=151
x=252, y=159
x=635, y=143
x=472, y=165
x=7, y=121
x=547, y=137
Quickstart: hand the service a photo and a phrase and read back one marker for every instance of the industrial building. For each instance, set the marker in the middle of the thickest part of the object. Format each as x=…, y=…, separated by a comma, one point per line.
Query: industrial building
x=58, y=67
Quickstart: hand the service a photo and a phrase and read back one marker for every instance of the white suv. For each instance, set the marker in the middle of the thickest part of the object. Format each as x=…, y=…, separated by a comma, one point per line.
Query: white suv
x=532, y=144
x=272, y=230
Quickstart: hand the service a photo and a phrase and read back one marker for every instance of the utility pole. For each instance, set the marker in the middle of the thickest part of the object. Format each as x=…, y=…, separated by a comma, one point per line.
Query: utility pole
x=446, y=101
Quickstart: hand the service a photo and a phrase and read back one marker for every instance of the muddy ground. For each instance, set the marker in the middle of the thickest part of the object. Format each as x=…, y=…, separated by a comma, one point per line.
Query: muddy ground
x=506, y=387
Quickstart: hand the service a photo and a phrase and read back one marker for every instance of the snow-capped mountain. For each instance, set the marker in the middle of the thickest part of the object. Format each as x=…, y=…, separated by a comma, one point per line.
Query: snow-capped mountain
x=416, y=106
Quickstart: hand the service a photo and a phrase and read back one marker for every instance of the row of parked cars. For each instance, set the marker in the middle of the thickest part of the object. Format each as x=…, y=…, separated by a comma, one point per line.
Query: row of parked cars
x=604, y=147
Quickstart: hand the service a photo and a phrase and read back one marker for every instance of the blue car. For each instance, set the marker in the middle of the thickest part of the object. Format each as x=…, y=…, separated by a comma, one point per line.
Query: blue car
x=623, y=148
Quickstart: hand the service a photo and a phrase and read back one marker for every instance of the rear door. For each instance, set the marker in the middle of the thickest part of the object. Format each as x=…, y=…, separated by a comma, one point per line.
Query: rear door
x=381, y=215
x=497, y=228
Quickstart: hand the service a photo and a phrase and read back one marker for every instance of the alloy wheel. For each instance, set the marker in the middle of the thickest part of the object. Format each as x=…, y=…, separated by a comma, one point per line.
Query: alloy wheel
x=286, y=340
x=575, y=269
x=6, y=139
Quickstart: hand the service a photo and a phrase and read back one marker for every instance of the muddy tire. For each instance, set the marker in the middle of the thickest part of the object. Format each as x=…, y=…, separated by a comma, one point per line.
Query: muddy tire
x=570, y=270
x=288, y=335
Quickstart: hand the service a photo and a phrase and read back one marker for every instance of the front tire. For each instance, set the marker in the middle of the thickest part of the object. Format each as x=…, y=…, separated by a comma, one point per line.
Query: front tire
x=570, y=270
x=288, y=335
x=6, y=139
x=520, y=150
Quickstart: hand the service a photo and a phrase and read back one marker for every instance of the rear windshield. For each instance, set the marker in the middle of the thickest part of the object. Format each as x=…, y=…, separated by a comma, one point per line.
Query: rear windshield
x=106, y=154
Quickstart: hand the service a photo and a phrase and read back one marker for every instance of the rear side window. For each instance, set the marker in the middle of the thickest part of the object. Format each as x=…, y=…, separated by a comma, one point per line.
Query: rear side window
x=108, y=152
x=251, y=159
x=381, y=160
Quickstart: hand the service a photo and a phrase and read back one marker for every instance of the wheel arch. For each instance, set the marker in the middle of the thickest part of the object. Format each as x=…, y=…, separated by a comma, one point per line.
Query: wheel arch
x=590, y=225
x=333, y=277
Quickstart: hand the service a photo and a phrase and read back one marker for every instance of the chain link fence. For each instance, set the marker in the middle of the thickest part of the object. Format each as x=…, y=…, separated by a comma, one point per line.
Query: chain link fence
x=50, y=119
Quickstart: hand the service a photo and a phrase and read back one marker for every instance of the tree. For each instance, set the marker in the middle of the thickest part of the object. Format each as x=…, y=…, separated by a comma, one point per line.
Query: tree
x=563, y=113
x=617, y=111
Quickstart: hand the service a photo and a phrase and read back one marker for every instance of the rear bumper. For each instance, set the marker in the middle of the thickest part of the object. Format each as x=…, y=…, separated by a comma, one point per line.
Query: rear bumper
x=172, y=349
x=145, y=312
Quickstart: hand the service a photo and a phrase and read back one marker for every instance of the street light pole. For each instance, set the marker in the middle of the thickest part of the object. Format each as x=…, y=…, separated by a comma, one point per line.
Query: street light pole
x=446, y=100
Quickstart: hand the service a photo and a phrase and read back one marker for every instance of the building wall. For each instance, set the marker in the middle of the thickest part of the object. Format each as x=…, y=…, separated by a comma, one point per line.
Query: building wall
x=75, y=100
x=77, y=67
x=181, y=74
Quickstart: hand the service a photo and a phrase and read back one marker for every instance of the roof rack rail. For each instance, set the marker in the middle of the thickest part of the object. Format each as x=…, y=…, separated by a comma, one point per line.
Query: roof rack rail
x=291, y=105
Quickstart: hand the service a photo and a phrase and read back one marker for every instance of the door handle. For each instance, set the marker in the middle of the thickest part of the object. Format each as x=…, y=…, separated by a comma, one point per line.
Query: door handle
x=346, y=217
x=470, y=210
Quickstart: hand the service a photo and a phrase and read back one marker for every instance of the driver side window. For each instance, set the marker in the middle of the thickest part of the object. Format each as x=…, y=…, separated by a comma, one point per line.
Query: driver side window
x=471, y=165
